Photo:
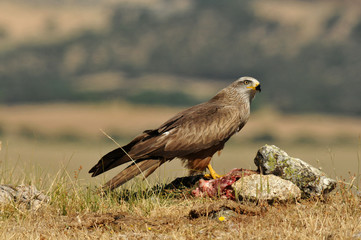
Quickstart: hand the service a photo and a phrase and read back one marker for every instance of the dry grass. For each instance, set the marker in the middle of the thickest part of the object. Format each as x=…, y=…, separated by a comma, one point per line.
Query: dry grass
x=78, y=212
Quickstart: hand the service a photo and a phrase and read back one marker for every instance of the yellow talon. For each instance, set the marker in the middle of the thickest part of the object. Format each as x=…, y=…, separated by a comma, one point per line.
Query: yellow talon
x=207, y=176
x=212, y=173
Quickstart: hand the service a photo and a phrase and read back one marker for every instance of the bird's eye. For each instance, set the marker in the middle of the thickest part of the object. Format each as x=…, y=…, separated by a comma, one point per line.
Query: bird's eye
x=246, y=82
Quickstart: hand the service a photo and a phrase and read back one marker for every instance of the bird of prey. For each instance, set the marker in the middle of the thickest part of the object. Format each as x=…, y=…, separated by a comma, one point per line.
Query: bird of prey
x=193, y=135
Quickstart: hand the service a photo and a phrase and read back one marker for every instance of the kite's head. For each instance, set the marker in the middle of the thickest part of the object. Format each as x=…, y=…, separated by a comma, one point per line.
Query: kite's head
x=246, y=87
x=241, y=90
x=244, y=84
x=248, y=83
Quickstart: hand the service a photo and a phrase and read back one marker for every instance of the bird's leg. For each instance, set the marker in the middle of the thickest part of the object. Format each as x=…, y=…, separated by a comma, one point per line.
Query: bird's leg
x=212, y=173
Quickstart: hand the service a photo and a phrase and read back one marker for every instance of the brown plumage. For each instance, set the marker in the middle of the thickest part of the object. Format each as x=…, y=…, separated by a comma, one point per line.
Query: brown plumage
x=192, y=135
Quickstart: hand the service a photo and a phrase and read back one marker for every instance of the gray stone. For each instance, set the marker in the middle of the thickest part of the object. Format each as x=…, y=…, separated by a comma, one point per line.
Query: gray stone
x=7, y=194
x=27, y=195
x=258, y=187
x=312, y=182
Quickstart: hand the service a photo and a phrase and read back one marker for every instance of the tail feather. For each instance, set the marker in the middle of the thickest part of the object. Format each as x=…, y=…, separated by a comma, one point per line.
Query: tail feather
x=133, y=170
x=115, y=157
x=109, y=161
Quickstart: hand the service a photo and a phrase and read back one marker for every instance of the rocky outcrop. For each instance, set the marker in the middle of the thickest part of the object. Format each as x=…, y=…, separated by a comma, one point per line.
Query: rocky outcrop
x=279, y=177
x=312, y=182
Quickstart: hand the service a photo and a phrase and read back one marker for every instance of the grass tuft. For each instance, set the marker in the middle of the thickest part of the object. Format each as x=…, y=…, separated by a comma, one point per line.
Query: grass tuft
x=77, y=210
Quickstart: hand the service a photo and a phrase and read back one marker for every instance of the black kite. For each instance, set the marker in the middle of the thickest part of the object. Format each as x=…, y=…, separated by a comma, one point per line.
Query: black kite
x=192, y=135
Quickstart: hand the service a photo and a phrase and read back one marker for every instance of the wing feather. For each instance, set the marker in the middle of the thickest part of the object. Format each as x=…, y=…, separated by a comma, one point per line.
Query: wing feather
x=203, y=129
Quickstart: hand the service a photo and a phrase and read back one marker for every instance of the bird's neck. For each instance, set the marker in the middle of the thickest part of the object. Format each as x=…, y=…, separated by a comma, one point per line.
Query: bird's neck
x=233, y=97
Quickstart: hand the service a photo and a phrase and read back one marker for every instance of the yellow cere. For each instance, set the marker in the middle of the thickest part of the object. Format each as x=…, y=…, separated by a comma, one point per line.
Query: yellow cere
x=221, y=219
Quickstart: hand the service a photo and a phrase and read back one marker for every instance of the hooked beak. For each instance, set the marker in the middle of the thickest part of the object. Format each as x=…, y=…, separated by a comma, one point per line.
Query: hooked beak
x=256, y=88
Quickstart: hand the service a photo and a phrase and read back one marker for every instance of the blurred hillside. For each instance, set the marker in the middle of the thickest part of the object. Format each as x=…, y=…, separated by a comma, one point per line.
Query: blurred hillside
x=306, y=53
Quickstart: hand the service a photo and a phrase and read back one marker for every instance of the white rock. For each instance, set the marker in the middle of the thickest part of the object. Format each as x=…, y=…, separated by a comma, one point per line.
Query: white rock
x=266, y=187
